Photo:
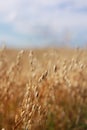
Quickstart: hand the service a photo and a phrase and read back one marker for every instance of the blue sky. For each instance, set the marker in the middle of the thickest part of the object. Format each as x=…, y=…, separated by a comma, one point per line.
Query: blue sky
x=36, y=23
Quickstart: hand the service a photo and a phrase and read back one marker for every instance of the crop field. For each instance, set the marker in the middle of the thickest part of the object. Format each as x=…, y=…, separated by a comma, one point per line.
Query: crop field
x=43, y=89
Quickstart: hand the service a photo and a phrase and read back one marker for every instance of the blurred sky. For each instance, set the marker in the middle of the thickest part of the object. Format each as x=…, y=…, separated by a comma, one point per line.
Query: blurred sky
x=27, y=23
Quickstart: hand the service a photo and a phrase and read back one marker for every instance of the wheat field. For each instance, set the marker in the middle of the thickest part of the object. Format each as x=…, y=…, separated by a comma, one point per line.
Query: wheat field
x=43, y=89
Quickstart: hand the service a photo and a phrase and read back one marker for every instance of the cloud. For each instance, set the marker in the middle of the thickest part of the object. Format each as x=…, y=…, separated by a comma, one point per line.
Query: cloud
x=38, y=14
x=44, y=18
x=80, y=3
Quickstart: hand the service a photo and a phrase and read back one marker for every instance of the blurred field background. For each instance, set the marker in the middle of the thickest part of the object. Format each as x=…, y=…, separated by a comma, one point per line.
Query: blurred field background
x=43, y=89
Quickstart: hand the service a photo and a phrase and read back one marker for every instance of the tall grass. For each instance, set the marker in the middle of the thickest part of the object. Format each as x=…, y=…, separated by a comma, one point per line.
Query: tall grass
x=43, y=90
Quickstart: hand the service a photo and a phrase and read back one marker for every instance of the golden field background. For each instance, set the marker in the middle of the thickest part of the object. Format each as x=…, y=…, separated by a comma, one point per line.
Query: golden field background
x=43, y=89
